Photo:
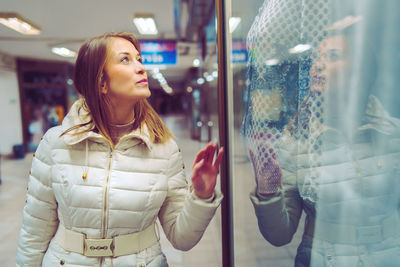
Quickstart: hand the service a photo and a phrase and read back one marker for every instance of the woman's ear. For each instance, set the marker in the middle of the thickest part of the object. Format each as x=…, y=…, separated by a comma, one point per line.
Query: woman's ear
x=103, y=85
x=103, y=88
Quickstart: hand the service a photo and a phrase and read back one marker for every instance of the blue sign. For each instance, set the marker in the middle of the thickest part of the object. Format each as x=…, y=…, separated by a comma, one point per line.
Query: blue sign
x=159, y=52
x=239, y=51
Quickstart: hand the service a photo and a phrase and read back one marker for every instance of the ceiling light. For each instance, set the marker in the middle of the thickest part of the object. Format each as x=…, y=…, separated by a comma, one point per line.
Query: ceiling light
x=196, y=62
x=167, y=89
x=272, y=62
x=19, y=24
x=158, y=75
x=161, y=79
x=200, y=80
x=300, y=48
x=145, y=24
x=209, y=78
x=64, y=52
x=233, y=23
x=215, y=74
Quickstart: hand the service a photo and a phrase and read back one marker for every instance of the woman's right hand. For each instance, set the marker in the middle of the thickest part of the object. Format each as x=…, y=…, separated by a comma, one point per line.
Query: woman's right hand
x=267, y=171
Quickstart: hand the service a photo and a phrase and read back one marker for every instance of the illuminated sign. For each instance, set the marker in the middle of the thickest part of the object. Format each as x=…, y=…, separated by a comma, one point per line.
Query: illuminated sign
x=159, y=52
x=239, y=51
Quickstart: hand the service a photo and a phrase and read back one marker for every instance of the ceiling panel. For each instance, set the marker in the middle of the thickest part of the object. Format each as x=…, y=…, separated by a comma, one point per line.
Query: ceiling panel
x=69, y=23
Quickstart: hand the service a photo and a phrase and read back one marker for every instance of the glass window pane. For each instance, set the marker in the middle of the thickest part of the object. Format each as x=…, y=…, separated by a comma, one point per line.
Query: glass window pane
x=316, y=132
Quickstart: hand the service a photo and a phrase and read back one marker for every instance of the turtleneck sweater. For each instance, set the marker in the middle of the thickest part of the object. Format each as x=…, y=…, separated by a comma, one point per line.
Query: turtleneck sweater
x=117, y=131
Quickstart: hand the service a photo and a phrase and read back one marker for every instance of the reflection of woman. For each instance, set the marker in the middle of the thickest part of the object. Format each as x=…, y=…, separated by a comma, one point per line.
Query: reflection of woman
x=340, y=167
x=277, y=77
x=99, y=181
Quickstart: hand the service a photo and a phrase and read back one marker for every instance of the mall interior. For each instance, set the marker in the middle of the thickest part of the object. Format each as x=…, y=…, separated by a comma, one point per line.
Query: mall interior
x=302, y=95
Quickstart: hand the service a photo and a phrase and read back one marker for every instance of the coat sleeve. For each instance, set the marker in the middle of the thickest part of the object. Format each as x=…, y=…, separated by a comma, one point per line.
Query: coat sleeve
x=279, y=215
x=183, y=216
x=39, y=219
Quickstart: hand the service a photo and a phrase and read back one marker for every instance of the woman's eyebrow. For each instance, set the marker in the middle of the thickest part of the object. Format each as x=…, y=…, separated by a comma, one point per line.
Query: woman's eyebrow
x=127, y=53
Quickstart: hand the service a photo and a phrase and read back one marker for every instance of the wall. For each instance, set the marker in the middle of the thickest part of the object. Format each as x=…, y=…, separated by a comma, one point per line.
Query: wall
x=10, y=112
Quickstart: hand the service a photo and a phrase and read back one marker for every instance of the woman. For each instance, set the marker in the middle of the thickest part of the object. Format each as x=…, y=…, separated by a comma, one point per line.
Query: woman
x=100, y=180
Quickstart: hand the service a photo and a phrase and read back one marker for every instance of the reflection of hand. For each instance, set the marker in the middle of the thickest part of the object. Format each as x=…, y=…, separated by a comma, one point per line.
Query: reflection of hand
x=266, y=169
x=204, y=172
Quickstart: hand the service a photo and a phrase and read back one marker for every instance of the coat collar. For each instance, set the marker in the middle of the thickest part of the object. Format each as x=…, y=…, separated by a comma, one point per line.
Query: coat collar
x=376, y=119
x=78, y=114
x=379, y=119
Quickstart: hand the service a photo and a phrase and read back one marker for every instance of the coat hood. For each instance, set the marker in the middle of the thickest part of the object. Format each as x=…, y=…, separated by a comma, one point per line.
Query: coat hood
x=79, y=114
x=376, y=118
x=379, y=119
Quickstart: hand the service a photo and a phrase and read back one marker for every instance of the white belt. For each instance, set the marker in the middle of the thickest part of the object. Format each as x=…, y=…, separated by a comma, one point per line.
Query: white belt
x=112, y=247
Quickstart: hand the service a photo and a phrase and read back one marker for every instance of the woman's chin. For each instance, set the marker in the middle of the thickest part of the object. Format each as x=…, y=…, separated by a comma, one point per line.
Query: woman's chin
x=128, y=99
x=147, y=94
x=143, y=93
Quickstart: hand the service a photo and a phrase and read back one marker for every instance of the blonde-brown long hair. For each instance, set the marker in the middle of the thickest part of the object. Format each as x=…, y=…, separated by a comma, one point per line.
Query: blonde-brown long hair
x=89, y=75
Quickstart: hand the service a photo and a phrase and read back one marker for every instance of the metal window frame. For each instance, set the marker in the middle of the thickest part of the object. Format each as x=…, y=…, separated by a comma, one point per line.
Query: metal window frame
x=225, y=115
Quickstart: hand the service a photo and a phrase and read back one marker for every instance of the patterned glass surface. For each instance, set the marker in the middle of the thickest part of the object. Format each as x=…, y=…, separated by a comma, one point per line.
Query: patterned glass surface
x=320, y=129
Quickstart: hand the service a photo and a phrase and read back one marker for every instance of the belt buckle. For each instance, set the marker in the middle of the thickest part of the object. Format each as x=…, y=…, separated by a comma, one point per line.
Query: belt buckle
x=369, y=234
x=98, y=247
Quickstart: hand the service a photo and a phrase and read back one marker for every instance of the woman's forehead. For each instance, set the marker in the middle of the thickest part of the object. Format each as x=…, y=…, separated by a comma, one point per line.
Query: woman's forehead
x=334, y=42
x=121, y=45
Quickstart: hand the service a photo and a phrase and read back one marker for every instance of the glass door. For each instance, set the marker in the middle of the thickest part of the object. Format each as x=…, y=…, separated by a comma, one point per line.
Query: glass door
x=310, y=119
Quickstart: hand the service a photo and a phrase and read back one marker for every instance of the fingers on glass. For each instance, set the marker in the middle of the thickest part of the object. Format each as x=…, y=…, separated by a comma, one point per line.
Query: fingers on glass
x=198, y=165
x=211, y=153
x=208, y=154
x=219, y=157
x=200, y=155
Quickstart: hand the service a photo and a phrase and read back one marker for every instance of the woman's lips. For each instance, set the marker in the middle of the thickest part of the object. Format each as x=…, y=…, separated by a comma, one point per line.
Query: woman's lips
x=318, y=80
x=142, y=81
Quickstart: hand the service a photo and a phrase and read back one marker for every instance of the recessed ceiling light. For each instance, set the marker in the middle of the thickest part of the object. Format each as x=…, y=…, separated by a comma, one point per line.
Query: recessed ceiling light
x=233, y=23
x=196, y=62
x=200, y=80
x=300, y=48
x=209, y=78
x=64, y=52
x=167, y=89
x=19, y=24
x=272, y=62
x=145, y=24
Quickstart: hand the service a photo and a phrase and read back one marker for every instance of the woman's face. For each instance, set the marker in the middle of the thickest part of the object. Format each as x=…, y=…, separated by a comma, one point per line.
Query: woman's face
x=331, y=63
x=125, y=75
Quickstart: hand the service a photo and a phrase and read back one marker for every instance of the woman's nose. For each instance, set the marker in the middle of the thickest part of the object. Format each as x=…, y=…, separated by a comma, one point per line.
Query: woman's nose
x=319, y=66
x=140, y=68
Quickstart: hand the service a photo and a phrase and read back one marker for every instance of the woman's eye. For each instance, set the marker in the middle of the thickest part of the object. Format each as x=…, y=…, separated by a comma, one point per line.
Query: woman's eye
x=334, y=55
x=125, y=59
x=139, y=59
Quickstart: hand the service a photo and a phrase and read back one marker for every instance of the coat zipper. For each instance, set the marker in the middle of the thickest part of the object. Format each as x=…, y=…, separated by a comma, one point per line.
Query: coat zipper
x=103, y=235
x=112, y=147
x=105, y=196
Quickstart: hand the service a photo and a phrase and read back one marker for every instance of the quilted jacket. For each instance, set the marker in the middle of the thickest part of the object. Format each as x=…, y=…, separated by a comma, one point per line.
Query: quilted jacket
x=352, y=216
x=126, y=189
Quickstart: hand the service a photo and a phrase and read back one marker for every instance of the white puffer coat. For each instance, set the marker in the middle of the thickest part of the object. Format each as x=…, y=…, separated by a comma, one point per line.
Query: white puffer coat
x=125, y=190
